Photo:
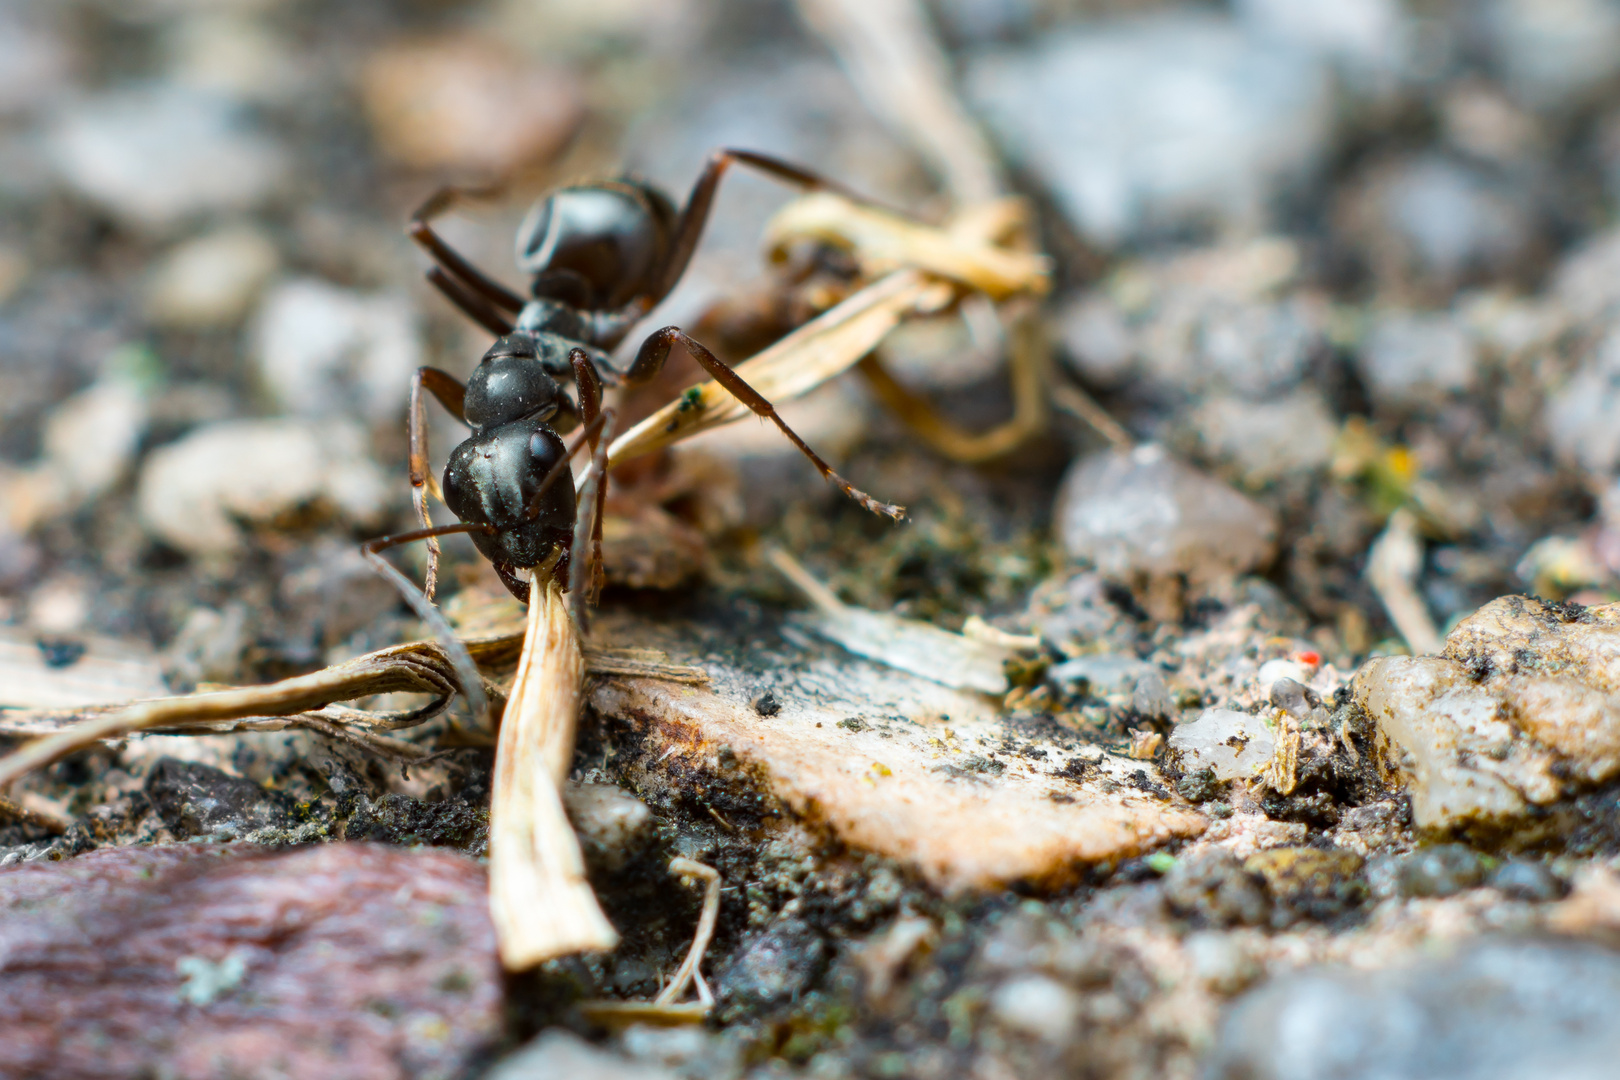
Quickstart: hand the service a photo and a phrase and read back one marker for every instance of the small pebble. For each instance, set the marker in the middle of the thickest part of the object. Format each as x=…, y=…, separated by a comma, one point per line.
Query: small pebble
x=1141, y=511
x=1268, y=440
x=1220, y=962
x=192, y=493
x=1037, y=1006
x=1409, y=359
x=1526, y=879
x=211, y=280
x=328, y=351
x=1231, y=744
x=777, y=966
x=611, y=822
x=558, y=1054
x=1215, y=887
x=1441, y=870
x=156, y=155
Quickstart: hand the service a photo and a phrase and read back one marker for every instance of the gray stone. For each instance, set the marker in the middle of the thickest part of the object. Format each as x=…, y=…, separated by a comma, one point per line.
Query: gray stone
x=1526, y=879
x=194, y=492
x=1438, y=218
x=1157, y=122
x=1253, y=348
x=211, y=280
x=1214, y=887
x=1233, y=744
x=777, y=966
x=1268, y=440
x=1412, y=359
x=35, y=60
x=327, y=351
x=208, y=647
x=1037, y=1006
x=1498, y=1010
x=1441, y=870
x=1143, y=512
x=157, y=155
x=335, y=595
x=1098, y=341
x=1553, y=54
x=559, y=1054
x=1580, y=415
x=199, y=801
x=1363, y=39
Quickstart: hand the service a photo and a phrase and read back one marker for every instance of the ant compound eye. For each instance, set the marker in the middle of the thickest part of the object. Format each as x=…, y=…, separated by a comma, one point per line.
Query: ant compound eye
x=545, y=448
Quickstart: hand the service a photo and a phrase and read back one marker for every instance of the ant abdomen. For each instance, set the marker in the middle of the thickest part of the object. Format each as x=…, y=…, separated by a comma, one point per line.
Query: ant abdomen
x=595, y=247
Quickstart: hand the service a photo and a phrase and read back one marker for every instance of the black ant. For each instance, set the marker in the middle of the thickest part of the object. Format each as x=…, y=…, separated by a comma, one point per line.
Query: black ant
x=600, y=256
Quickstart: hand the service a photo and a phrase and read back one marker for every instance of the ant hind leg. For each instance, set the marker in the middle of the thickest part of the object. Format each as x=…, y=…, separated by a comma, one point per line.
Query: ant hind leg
x=655, y=351
x=472, y=305
x=451, y=393
x=465, y=272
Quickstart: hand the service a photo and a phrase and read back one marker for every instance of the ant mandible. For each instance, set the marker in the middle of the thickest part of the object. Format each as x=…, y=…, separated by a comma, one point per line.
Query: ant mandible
x=600, y=256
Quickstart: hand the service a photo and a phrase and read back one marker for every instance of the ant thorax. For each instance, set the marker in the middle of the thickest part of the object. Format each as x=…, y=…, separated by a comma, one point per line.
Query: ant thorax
x=543, y=315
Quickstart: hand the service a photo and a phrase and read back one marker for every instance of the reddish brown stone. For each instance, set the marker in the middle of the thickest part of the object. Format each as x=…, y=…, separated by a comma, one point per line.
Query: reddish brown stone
x=347, y=961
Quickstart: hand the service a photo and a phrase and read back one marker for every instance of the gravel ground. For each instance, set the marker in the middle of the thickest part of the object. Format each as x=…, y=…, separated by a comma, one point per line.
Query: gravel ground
x=1298, y=751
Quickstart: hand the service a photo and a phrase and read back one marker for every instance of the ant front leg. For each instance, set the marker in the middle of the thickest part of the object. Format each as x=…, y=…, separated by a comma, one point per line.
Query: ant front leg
x=451, y=394
x=459, y=269
x=655, y=351
x=589, y=383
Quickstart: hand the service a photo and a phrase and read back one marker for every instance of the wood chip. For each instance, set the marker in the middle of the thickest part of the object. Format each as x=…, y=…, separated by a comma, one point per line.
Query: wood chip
x=894, y=764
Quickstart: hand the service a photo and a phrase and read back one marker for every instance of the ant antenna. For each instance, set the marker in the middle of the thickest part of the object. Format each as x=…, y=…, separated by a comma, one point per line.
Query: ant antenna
x=472, y=683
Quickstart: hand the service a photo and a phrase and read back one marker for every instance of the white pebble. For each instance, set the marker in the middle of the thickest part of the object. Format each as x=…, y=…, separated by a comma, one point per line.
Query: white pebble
x=192, y=492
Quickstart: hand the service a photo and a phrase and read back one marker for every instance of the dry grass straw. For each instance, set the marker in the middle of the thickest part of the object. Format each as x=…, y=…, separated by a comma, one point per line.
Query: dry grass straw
x=541, y=903
x=307, y=701
x=836, y=340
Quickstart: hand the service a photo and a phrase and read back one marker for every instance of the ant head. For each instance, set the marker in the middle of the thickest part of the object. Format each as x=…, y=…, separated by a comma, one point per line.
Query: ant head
x=596, y=247
x=511, y=383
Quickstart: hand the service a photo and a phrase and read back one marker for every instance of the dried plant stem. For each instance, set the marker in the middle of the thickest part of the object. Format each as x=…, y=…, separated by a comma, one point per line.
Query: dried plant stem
x=891, y=55
x=687, y=868
x=1393, y=566
x=541, y=903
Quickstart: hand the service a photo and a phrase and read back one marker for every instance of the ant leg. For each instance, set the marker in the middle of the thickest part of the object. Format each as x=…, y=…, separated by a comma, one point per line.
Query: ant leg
x=472, y=305
x=589, y=383
x=451, y=394
x=584, y=576
x=472, y=684
x=655, y=350
x=422, y=232
x=695, y=215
